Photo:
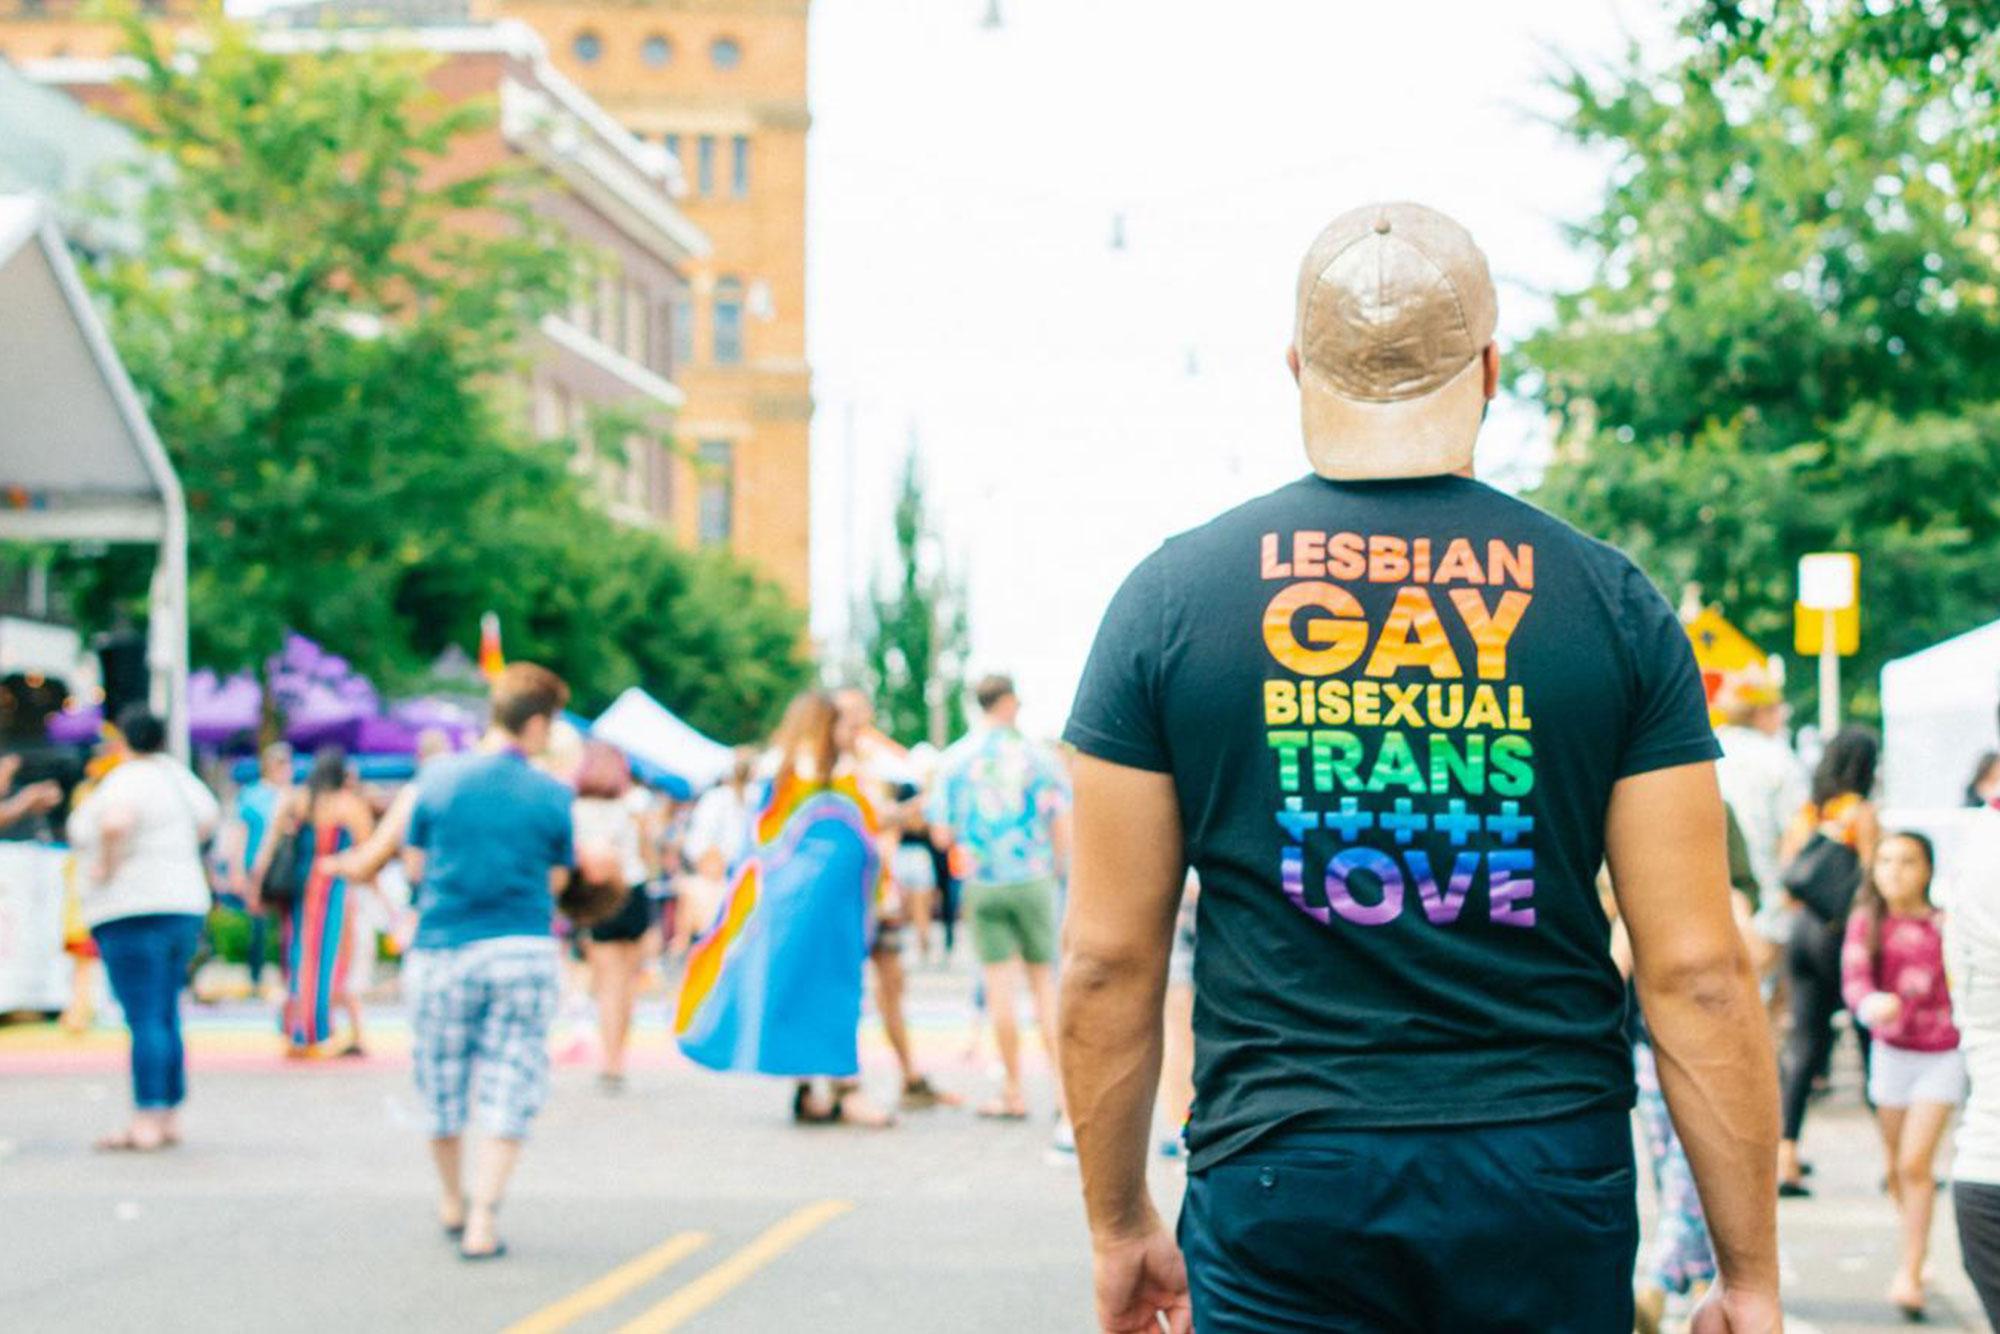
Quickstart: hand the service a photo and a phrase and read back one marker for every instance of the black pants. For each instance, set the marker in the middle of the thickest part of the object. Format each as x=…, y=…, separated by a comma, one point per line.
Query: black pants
x=1812, y=972
x=1477, y=1230
x=1977, y=1208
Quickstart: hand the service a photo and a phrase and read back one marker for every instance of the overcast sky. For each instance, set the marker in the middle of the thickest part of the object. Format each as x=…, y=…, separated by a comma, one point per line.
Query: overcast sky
x=1074, y=403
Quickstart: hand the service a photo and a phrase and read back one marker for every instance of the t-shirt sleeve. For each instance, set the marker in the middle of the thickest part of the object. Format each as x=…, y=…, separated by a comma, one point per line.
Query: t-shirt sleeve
x=1116, y=716
x=423, y=819
x=1669, y=724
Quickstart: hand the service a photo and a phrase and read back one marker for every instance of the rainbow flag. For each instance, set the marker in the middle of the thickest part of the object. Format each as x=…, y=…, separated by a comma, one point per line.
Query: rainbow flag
x=775, y=988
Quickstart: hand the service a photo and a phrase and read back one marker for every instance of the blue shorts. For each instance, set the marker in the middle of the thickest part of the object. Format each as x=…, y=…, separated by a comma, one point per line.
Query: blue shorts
x=1477, y=1230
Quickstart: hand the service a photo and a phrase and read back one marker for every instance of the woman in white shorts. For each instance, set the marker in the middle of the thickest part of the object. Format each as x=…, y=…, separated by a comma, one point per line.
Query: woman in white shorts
x=1893, y=980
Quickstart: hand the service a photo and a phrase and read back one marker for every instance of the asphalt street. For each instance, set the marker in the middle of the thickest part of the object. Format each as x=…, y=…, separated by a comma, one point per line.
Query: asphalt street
x=301, y=1201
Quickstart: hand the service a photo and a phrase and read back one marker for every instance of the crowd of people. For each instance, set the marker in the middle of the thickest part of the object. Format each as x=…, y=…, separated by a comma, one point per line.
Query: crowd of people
x=475, y=872
x=1838, y=915
x=532, y=880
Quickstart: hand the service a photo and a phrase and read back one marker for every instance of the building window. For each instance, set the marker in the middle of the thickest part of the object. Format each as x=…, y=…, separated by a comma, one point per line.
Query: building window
x=739, y=165
x=587, y=46
x=660, y=479
x=704, y=168
x=550, y=410
x=604, y=321
x=715, y=512
x=725, y=53
x=680, y=325
x=727, y=324
x=656, y=51
x=638, y=333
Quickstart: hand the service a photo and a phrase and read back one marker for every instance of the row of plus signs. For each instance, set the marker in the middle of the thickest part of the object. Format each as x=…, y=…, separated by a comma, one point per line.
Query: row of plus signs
x=1405, y=821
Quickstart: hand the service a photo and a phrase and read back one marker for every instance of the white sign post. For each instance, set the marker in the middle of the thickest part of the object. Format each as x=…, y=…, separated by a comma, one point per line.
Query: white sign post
x=1829, y=583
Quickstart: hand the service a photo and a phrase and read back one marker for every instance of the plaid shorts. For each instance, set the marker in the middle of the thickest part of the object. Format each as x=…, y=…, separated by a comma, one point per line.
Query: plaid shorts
x=479, y=1019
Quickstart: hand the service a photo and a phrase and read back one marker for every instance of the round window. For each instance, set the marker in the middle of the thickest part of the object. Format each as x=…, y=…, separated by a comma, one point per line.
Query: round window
x=726, y=52
x=656, y=51
x=587, y=47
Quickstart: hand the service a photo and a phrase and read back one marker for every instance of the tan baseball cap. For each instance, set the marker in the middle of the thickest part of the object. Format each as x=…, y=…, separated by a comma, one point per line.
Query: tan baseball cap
x=1395, y=307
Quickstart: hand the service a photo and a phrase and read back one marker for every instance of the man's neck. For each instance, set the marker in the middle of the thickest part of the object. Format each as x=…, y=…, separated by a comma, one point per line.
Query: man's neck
x=500, y=741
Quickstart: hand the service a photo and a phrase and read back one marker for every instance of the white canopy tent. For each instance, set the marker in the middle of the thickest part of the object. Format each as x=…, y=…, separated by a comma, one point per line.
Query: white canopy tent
x=649, y=731
x=78, y=458
x=1938, y=710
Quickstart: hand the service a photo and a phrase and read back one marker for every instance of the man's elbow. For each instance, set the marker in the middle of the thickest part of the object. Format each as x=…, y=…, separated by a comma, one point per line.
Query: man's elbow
x=1091, y=968
x=1715, y=980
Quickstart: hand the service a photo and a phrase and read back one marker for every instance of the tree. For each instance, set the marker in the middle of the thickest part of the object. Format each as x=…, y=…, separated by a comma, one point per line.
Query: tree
x=323, y=318
x=1791, y=340
x=918, y=636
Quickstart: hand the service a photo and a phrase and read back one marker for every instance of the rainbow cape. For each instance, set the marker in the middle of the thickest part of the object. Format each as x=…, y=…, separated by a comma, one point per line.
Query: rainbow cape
x=775, y=987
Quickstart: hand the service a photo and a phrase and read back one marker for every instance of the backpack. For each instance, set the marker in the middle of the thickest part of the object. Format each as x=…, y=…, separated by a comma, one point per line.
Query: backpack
x=1824, y=876
x=284, y=878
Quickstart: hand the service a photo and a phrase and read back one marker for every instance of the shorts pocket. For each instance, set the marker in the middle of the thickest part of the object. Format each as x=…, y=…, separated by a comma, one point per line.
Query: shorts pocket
x=1604, y=1179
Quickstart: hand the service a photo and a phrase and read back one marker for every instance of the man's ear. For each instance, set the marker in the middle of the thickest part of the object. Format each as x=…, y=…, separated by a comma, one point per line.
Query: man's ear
x=1292, y=361
x=1492, y=358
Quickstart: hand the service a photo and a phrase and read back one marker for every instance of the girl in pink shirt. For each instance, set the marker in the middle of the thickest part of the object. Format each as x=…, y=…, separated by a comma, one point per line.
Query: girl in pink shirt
x=1893, y=980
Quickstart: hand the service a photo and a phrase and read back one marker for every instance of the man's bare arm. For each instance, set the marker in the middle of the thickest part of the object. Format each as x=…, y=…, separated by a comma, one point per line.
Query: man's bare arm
x=1124, y=889
x=374, y=851
x=1666, y=844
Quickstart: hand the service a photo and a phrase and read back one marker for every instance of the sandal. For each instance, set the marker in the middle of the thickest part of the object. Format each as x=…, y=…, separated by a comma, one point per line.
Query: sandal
x=920, y=1095
x=474, y=1257
x=806, y=1112
x=457, y=1230
x=1002, y=1110
x=124, y=1141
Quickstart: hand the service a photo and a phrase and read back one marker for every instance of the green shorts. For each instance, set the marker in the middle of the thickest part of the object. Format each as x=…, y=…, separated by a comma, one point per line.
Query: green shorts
x=1013, y=921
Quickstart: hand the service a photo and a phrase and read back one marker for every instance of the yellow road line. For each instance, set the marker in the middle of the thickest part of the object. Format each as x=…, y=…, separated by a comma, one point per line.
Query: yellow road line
x=711, y=1287
x=595, y=1296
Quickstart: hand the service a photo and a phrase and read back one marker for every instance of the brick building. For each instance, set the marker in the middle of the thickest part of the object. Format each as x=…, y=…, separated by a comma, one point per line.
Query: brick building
x=680, y=165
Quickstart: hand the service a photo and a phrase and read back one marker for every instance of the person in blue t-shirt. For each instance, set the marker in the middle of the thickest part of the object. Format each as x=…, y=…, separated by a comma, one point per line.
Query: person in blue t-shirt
x=490, y=839
x=255, y=805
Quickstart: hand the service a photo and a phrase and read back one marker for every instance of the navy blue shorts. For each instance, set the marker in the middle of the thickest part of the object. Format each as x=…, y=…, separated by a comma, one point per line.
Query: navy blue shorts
x=1531, y=1228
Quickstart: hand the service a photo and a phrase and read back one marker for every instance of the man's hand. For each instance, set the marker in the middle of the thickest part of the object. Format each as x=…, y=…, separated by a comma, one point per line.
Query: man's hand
x=43, y=796
x=1140, y=1278
x=348, y=865
x=1725, y=1311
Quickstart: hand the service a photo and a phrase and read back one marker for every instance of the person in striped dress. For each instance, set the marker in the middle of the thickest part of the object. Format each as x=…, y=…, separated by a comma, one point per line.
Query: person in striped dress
x=328, y=818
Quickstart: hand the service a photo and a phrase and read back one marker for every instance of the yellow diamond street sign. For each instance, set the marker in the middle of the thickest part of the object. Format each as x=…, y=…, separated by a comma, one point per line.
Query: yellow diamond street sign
x=1720, y=650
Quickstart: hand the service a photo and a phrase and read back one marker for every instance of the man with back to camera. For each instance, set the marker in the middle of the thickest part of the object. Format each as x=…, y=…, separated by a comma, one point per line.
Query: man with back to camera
x=1395, y=720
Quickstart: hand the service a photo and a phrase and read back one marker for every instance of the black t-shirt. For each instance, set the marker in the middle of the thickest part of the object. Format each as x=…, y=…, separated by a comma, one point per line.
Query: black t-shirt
x=1394, y=713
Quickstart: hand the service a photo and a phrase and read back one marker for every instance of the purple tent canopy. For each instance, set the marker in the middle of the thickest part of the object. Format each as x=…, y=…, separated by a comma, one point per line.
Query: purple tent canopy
x=459, y=721
x=324, y=702
x=362, y=735
x=223, y=711
x=76, y=727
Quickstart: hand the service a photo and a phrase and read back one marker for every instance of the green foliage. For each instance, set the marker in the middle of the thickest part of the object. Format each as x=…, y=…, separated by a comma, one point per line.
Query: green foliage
x=918, y=636
x=1791, y=341
x=325, y=319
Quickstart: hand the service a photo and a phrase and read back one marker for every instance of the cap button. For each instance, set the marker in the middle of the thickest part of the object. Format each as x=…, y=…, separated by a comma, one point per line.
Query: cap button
x=1382, y=224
